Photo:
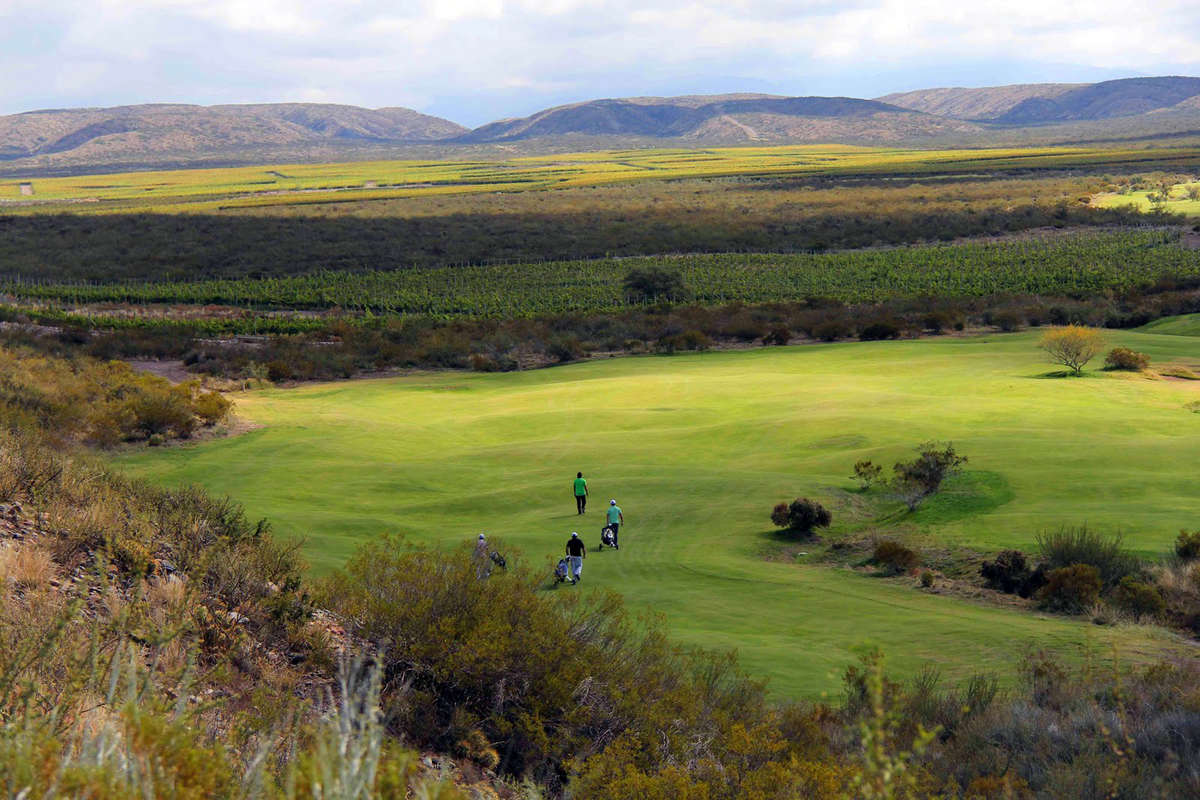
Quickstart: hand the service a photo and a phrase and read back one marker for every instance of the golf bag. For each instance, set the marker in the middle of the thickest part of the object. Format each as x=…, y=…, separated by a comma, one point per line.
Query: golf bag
x=498, y=560
x=608, y=537
x=560, y=570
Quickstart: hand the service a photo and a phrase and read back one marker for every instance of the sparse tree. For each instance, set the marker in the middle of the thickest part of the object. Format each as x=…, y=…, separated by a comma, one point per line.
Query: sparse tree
x=1073, y=346
x=923, y=476
x=1193, y=192
x=867, y=473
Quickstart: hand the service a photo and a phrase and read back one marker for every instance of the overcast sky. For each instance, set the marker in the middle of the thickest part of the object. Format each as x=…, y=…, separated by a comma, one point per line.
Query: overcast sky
x=474, y=61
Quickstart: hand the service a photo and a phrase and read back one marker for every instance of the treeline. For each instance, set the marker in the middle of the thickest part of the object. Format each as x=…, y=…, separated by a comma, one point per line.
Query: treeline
x=341, y=348
x=716, y=216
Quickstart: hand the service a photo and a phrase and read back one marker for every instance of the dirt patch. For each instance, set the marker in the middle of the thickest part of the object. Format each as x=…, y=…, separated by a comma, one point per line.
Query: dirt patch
x=174, y=371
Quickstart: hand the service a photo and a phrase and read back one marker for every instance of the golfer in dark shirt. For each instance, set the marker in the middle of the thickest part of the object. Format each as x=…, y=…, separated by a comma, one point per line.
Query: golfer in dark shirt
x=576, y=553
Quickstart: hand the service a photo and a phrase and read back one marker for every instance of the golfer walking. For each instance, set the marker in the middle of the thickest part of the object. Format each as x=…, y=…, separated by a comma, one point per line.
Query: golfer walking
x=615, y=519
x=576, y=553
x=580, y=489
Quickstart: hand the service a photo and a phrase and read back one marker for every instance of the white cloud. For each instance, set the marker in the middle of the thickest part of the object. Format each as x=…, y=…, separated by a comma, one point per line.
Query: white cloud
x=382, y=52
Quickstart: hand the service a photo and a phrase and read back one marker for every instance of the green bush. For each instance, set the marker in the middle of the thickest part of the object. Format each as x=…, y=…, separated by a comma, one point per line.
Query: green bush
x=1124, y=358
x=894, y=557
x=1070, y=590
x=1139, y=599
x=1008, y=573
x=927, y=579
x=801, y=516
x=654, y=285
x=1071, y=546
x=1187, y=545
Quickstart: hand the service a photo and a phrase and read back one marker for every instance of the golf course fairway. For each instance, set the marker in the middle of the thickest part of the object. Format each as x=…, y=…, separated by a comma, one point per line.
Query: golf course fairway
x=698, y=448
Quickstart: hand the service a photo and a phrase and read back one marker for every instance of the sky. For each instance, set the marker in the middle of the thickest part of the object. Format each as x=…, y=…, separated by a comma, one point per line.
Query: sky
x=474, y=61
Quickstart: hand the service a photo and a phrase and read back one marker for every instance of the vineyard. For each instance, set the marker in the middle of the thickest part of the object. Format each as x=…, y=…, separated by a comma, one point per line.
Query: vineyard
x=1067, y=265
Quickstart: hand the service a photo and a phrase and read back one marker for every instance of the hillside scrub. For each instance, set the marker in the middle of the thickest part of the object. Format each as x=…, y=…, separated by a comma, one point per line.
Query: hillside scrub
x=1070, y=546
x=522, y=668
x=101, y=403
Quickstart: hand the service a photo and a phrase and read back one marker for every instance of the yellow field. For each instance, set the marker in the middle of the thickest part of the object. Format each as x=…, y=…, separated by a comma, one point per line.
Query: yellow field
x=199, y=190
x=1178, y=201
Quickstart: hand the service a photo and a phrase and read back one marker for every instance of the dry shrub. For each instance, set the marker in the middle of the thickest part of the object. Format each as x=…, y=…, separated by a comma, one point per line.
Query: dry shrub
x=26, y=566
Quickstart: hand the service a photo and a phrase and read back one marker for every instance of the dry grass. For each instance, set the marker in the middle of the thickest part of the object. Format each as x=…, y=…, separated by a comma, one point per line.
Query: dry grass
x=26, y=566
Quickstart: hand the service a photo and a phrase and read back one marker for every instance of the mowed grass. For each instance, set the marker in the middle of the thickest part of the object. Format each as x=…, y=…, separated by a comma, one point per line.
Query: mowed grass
x=232, y=188
x=696, y=449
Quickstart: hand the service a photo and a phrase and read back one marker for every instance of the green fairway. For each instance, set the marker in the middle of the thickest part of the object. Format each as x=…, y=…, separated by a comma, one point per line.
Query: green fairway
x=696, y=449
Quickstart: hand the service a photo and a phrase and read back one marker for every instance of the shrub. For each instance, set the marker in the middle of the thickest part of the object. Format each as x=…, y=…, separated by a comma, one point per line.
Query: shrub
x=1007, y=320
x=778, y=336
x=564, y=349
x=1008, y=573
x=867, y=473
x=831, y=330
x=212, y=407
x=927, y=579
x=879, y=330
x=801, y=516
x=1070, y=546
x=1139, y=599
x=1073, y=346
x=1070, y=590
x=918, y=479
x=1124, y=358
x=1187, y=545
x=895, y=557
x=654, y=285
x=688, y=340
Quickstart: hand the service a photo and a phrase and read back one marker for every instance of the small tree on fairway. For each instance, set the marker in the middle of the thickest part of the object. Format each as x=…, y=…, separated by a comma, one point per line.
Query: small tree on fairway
x=801, y=516
x=923, y=476
x=1072, y=345
x=867, y=473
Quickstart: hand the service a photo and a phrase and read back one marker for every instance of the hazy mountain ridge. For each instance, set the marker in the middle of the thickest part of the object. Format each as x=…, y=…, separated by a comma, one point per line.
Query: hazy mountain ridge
x=178, y=128
x=1046, y=103
x=739, y=117
x=174, y=135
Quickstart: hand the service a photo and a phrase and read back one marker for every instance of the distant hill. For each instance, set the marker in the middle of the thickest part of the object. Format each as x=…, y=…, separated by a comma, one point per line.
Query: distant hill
x=725, y=118
x=1043, y=103
x=145, y=132
x=976, y=104
x=69, y=141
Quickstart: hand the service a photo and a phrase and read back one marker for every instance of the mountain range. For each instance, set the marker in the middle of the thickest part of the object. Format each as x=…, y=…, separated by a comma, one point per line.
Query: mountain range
x=173, y=134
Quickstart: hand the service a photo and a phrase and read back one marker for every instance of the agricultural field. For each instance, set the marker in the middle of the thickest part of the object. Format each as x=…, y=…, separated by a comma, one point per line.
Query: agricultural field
x=698, y=448
x=1075, y=264
x=1180, y=198
x=237, y=188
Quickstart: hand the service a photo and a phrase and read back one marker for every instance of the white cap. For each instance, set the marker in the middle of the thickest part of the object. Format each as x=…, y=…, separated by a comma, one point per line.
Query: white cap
x=574, y=534
x=481, y=536
x=612, y=502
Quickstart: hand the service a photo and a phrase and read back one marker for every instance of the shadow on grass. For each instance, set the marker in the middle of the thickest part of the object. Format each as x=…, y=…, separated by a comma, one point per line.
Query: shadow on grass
x=1064, y=373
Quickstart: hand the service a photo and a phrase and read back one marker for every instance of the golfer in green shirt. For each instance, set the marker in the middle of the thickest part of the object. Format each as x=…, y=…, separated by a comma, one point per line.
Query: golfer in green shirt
x=615, y=520
x=580, y=493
